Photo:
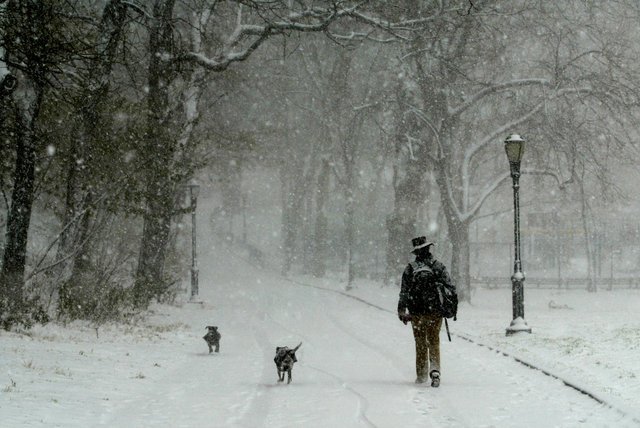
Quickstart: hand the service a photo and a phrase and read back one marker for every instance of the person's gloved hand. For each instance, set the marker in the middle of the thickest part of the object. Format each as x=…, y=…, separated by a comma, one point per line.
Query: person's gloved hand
x=404, y=317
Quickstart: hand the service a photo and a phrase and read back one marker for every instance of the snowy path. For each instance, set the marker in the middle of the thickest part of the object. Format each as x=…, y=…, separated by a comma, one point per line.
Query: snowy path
x=355, y=369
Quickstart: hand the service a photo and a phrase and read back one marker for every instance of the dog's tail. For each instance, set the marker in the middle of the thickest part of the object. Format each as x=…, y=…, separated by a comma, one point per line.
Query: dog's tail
x=296, y=348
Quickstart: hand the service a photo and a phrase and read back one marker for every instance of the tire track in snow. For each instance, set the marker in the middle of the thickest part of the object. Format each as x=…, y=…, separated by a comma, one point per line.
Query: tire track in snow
x=363, y=403
x=256, y=412
x=259, y=403
x=434, y=414
x=438, y=415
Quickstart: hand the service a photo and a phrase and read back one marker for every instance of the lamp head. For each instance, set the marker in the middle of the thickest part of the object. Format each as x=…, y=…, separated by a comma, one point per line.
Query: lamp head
x=194, y=188
x=514, y=146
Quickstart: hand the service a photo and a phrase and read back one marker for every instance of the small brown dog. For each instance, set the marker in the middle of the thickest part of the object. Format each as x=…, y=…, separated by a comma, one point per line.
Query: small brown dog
x=212, y=338
x=284, y=360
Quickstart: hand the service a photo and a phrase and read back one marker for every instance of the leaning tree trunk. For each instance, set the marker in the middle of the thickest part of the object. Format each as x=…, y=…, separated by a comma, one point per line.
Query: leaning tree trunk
x=28, y=102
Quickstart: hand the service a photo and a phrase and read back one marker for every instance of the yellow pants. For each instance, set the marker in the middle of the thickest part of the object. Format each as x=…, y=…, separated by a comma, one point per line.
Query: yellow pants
x=426, y=332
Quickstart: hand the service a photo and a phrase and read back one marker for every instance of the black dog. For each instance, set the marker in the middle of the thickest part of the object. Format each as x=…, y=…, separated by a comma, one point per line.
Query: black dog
x=284, y=360
x=212, y=338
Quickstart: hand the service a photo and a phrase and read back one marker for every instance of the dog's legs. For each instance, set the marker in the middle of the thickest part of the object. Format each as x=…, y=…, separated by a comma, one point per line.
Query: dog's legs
x=280, y=376
x=289, y=378
x=217, y=347
x=210, y=348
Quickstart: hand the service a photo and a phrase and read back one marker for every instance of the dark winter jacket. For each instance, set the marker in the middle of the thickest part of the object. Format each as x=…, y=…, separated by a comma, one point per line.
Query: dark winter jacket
x=409, y=299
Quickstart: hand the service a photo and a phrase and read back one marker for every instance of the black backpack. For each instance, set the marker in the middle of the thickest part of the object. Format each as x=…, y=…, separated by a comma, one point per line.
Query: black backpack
x=428, y=293
x=424, y=291
x=448, y=301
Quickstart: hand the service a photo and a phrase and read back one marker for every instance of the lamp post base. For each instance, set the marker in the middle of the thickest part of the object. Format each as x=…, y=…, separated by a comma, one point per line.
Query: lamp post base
x=194, y=285
x=518, y=325
x=195, y=299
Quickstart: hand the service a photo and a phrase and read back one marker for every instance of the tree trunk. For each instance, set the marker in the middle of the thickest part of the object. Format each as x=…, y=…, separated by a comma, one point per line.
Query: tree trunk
x=321, y=226
x=158, y=156
x=292, y=200
x=349, y=219
x=460, y=258
x=584, y=214
x=308, y=225
x=28, y=102
x=459, y=237
x=402, y=223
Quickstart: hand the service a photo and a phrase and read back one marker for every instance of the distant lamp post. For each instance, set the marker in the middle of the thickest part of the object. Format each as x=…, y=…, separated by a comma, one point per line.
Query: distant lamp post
x=194, y=190
x=514, y=146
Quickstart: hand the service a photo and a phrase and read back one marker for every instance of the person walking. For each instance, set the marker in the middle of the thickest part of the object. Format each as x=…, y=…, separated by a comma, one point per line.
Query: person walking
x=419, y=304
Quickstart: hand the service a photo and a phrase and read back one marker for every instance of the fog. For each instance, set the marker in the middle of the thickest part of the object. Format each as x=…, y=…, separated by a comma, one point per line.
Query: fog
x=324, y=136
x=263, y=166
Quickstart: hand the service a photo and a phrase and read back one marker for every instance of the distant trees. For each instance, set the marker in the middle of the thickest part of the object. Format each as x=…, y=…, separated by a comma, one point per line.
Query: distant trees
x=235, y=30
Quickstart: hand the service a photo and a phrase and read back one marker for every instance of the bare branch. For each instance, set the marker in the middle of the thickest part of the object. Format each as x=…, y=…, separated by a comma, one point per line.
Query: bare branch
x=484, y=195
x=489, y=139
x=494, y=88
x=559, y=180
x=138, y=8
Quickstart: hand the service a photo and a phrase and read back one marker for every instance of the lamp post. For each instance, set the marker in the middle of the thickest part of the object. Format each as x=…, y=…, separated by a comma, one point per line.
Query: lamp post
x=194, y=190
x=514, y=146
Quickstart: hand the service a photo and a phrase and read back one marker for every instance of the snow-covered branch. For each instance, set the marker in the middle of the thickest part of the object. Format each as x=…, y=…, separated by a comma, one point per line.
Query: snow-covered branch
x=501, y=131
x=247, y=37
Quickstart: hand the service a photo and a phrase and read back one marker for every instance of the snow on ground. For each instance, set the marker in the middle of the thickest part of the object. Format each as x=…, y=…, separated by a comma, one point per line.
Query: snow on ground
x=356, y=363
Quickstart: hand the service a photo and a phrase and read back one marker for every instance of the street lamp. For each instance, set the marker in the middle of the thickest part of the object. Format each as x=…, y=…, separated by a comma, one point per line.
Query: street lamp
x=514, y=146
x=194, y=190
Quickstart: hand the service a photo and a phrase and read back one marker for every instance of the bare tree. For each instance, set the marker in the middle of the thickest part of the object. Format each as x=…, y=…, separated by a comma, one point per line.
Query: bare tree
x=82, y=182
x=472, y=88
x=236, y=29
x=38, y=40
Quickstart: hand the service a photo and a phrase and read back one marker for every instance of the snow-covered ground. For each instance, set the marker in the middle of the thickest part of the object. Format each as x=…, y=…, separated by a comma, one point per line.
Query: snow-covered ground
x=356, y=362
x=355, y=365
